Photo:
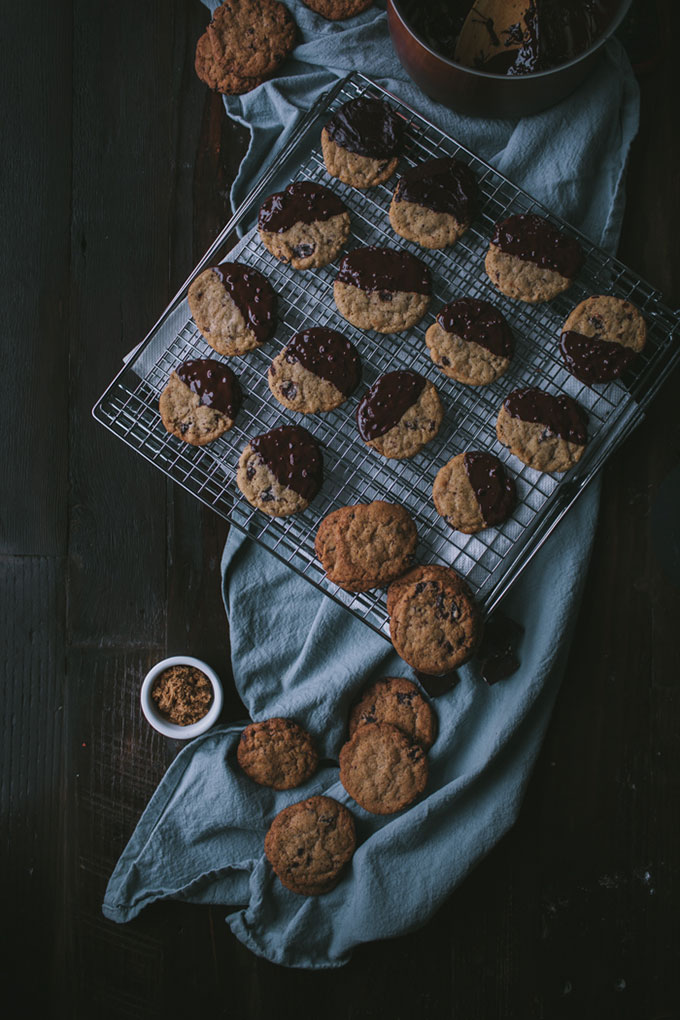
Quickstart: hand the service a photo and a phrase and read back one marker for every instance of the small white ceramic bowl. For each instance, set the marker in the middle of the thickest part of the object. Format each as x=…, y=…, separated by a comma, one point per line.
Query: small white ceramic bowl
x=159, y=722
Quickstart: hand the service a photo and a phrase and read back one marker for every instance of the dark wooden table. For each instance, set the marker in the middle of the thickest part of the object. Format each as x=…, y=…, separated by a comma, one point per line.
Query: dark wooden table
x=115, y=168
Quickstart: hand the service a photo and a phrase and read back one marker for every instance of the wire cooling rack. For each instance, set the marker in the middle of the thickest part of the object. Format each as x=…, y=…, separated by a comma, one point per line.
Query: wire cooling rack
x=354, y=473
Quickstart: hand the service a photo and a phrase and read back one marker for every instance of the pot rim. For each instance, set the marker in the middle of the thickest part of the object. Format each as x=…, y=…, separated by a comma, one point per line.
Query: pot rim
x=533, y=75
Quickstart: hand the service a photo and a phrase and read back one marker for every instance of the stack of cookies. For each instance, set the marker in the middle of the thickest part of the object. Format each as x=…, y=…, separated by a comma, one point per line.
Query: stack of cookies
x=245, y=44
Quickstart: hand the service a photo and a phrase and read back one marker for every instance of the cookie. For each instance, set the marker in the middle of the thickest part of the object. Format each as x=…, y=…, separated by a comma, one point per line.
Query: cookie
x=547, y=432
x=200, y=401
x=434, y=621
x=382, y=289
x=281, y=471
x=362, y=142
x=471, y=342
x=309, y=843
x=399, y=414
x=216, y=77
x=367, y=545
x=316, y=371
x=473, y=492
x=337, y=10
x=601, y=338
x=304, y=226
x=251, y=38
x=382, y=769
x=531, y=260
x=434, y=203
x=277, y=753
x=398, y=702
x=234, y=307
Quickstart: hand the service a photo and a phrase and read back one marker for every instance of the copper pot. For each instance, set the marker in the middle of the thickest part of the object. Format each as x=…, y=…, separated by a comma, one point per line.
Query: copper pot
x=480, y=94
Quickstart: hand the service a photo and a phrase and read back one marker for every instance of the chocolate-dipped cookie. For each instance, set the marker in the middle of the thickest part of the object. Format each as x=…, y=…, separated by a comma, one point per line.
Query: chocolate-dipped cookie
x=471, y=342
x=316, y=371
x=362, y=142
x=435, y=202
x=382, y=289
x=233, y=306
x=304, y=226
x=547, y=432
x=473, y=492
x=530, y=260
x=399, y=414
x=601, y=337
x=200, y=401
x=281, y=471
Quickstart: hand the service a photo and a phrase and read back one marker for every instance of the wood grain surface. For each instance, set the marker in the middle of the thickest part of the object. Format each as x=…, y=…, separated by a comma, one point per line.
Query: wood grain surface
x=115, y=176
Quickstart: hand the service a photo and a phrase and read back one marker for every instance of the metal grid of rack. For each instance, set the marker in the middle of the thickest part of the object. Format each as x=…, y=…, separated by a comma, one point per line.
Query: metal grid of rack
x=353, y=472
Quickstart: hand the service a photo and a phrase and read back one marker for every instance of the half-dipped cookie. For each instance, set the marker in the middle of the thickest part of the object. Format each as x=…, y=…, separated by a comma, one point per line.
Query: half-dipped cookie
x=382, y=289
x=366, y=545
x=547, y=432
x=316, y=371
x=530, y=260
x=434, y=620
x=434, y=203
x=200, y=401
x=471, y=342
x=601, y=338
x=399, y=414
x=234, y=307
x=473, y=492
x=362, y=142
x=280, y=472
x=304, y=226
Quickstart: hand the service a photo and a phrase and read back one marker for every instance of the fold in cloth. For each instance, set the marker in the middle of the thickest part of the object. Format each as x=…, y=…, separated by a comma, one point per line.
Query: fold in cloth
x=297, y=653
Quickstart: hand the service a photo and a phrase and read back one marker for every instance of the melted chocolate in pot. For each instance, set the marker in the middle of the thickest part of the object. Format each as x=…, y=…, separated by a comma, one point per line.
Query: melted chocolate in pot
x=480, y=323
x=495, y=492
x=301, y=202
x=367, y=127
x=444, y=185
x=214, y=383
x=562, y=415
x=534, y=239
x=327, y=353
x=384, y=269
x=388, y=399
x=593, y=360
x=293, y=457
x=252, y=295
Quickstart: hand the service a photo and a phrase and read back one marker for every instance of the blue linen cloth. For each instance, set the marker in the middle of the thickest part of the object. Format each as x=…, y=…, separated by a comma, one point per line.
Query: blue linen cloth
x=296, y=653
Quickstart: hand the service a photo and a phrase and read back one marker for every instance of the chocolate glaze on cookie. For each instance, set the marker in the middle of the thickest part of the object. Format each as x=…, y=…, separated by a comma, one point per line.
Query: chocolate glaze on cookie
x=386, y=270
x=494, y=491
x=480, y=323
x=326, y=353
x=593, y=360
x=534, y=239
x=367, y=127
x=214, y=383
x=252, y=295
x=301, y=202
x=387, y=401
x=293, y=457
x=560, y=414
x=444, y=185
